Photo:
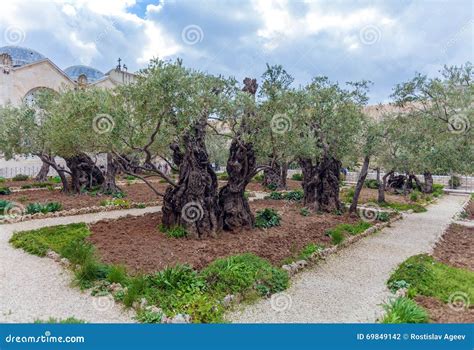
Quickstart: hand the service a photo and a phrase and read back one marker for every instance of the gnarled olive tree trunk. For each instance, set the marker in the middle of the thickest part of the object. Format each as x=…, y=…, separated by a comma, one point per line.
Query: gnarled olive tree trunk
x=109, y=185
x=382, y=187
x=241, y=166
x=42, y=175
x=321, y=184
x=428, y=186
x=48, y=159
x=85, y=174
x=360, y=184
x=193, y=203
x=276, y=176
x=235, y=207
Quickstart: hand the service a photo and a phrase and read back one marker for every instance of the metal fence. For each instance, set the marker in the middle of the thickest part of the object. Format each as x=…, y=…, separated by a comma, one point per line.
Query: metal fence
x=467, y=182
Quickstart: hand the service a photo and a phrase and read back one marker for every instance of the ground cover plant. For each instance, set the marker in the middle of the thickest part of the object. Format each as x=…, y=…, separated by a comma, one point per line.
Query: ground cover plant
x=176, y=290
x=439, y=287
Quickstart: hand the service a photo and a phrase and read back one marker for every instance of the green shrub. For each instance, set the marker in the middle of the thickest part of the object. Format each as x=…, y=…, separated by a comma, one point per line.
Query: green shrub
x=429, y=277
x=2, y=179
x=241, y=273
x=454, y=181
x=352, y=229
x=136, y=289
x=223, y=176
x=130, y=177
x=119, y=194
x=145, y=316
x=117, y=202
x=349, y=195
x=308, y=250
x=20, y=177
x=50, y=207
x=267, y=218
x=415, y=196
x=305, y=212
x=25, y=187
x=174, y=232
x=438, y=190
x=258, y=178
x=276, y=195
x=5, y=191
x=179, y=277
x=297, y=177
x=371, y=183
x=294, y=195
x=55, y=179
x=383, y=216
x=56, y=238
x=90, y=271
x=38, y=185
x=337, y=237
x=78, y=251
x=3, y=205
x=404, y=310
x=272, y=186
x=117, y=274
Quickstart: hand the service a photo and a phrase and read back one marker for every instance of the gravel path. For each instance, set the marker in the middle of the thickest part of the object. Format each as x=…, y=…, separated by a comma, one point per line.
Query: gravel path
x=34, y=288
x=350, y=286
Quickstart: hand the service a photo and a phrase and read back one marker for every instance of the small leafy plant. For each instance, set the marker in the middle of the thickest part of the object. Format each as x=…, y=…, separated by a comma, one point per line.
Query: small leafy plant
x=117, y=202
x=51, y=207
x=404, y=310
x=174, y=232
x=371, y=183
x=5, y=191
x=20, y=177
x=297, y=177
x=305, y=212
x=267, y=218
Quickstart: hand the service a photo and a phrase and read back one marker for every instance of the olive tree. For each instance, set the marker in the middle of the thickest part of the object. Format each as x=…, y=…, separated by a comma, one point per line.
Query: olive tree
x=329, y=125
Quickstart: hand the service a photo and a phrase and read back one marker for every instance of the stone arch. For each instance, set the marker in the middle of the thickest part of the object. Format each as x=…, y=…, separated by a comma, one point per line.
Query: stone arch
x=30, y=97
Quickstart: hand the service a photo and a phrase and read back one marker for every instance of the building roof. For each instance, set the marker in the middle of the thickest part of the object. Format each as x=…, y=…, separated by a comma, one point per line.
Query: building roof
x=22, y=55
x=92, y=74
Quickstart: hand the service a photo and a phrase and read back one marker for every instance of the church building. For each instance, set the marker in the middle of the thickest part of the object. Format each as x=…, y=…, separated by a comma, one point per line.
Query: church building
x=24, y=72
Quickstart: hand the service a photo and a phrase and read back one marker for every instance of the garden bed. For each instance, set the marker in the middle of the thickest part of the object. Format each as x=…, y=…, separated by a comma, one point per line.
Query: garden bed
x=456, y=247
x=135, y=193
x=138, y=243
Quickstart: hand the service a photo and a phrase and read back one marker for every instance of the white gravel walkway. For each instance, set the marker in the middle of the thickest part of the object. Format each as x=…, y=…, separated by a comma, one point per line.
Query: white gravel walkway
x=34, y=288
x=350, y=286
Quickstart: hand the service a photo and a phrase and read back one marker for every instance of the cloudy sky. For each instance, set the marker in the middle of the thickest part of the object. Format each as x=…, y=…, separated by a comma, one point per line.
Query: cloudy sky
x=382, y=41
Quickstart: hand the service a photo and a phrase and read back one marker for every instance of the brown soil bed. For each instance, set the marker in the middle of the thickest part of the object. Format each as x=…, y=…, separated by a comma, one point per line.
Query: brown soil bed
x=10, y=183
x=137, y=242
x=136, y=193
x=456, y=247
x=440, y=312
